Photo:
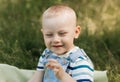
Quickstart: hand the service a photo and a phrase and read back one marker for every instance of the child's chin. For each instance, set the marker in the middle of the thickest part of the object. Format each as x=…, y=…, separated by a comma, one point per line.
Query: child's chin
x=60, y=53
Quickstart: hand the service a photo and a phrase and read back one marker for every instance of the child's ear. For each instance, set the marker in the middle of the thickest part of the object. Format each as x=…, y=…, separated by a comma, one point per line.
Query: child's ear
x=41, y=30
x=77, y=31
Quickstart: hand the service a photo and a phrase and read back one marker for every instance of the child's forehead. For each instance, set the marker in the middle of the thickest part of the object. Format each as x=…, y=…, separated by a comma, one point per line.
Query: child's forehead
x=57, y=29
x=59, y=21
x=63, y=16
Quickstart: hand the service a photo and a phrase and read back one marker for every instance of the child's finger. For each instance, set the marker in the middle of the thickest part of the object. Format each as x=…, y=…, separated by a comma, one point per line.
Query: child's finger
x=56, y=71
x=53, y=60
x=53, y=65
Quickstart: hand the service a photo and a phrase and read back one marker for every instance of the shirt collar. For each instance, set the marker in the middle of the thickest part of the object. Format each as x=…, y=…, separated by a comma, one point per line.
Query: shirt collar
x=72, y=55
x=66, y=55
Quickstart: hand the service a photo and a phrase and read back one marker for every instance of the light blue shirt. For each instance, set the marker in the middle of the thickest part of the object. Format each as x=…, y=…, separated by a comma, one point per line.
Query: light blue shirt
x=75, y=62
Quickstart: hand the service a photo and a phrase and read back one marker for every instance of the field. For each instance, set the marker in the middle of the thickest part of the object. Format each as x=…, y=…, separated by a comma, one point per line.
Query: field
x=21, y=41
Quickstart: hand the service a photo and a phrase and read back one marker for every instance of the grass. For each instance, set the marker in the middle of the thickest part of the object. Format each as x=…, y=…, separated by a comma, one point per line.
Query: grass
x=21, y=41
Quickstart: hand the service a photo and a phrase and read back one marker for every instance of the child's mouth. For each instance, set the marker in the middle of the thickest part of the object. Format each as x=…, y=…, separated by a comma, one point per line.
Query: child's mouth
x=58, y=46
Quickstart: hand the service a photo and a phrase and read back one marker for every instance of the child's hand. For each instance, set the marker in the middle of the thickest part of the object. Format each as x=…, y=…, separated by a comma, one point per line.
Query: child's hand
x=56, y=67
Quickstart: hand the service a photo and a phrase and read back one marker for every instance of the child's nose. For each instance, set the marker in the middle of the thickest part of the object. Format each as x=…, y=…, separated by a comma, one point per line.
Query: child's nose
x=56, y=39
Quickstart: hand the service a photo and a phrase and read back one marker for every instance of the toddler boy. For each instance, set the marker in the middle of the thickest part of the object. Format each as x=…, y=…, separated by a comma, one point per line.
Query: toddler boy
x=62, y=61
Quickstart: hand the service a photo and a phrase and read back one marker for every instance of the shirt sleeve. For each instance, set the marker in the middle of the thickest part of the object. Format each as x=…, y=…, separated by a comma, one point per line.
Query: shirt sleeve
x=82, y=71
x=41, y=62
x=40, y=65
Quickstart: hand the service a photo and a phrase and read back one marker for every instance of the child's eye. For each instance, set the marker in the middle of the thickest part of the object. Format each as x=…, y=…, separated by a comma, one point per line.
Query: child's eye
x=62, y=33
x=48, y=35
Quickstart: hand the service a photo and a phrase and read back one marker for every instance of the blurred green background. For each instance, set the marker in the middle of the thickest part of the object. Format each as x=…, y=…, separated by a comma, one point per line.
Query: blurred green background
x=21, y=41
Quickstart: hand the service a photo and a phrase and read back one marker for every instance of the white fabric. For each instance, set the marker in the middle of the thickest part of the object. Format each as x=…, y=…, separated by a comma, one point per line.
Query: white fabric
x=10, y=73
x=100, y=76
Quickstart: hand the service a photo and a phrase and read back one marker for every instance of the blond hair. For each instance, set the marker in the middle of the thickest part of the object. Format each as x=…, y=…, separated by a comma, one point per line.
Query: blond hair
x=58, y=10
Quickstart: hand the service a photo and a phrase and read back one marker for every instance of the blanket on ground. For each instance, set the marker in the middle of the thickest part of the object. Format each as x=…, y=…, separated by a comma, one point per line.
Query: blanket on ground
x=10, y=73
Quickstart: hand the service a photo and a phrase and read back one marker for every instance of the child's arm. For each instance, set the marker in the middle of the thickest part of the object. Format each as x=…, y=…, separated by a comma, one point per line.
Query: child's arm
x=37, y=77
x=59, y=72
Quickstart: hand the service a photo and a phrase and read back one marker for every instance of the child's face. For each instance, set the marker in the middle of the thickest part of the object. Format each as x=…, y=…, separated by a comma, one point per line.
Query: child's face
x=59, y=34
